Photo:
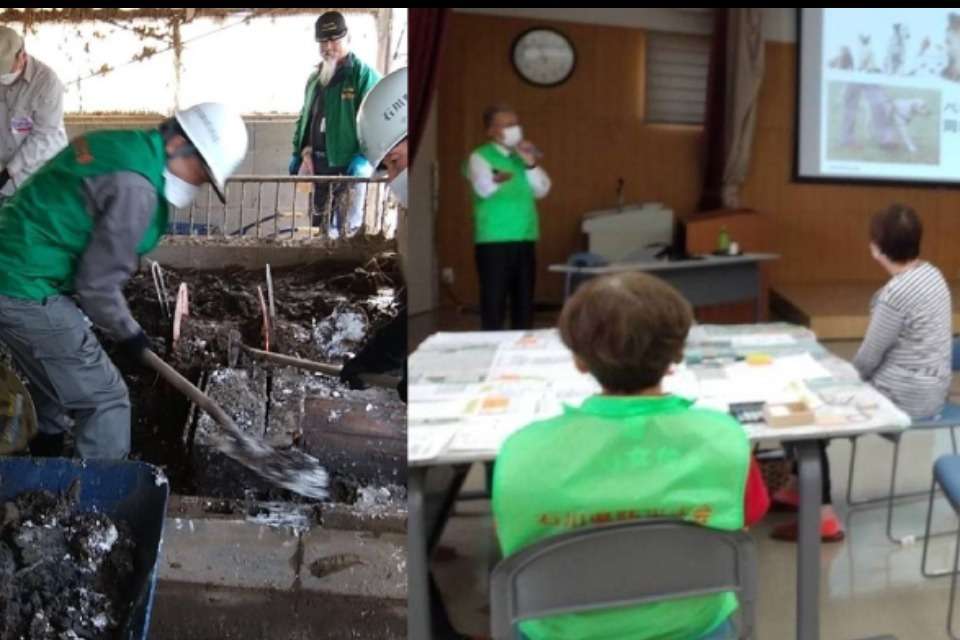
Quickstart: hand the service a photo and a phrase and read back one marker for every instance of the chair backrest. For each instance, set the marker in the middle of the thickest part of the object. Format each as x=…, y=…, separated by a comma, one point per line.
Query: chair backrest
x=653, y=560
x=584, y=259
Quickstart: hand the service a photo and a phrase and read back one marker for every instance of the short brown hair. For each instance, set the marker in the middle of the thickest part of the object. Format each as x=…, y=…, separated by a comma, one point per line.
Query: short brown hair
x=491, y=112
x=897, y=232
x=628, y=329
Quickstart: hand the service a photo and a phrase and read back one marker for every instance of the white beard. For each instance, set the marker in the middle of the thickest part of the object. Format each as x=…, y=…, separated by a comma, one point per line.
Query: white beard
x=326, y=72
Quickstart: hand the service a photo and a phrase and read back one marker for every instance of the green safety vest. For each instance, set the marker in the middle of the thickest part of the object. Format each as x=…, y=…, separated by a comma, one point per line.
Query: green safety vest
x=46, y=226
x=510, y=214
x=623, y=458
x=342, y=100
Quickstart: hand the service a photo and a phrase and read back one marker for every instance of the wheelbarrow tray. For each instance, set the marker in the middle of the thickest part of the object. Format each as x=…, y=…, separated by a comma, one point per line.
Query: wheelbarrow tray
x=131, y=492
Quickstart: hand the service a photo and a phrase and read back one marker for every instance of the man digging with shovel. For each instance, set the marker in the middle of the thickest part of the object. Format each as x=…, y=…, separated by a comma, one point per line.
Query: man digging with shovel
x=70, y=238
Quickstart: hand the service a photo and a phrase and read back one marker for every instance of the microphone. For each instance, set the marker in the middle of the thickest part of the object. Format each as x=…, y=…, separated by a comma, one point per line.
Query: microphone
x=529, y=147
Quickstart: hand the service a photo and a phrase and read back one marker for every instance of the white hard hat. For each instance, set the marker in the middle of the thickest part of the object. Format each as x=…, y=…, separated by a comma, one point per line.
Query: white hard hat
x=220, y=137
x=382, y=119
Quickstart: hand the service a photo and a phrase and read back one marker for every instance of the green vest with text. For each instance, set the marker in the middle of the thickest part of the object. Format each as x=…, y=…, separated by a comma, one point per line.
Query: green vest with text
x=46, y=226
x=616, y=459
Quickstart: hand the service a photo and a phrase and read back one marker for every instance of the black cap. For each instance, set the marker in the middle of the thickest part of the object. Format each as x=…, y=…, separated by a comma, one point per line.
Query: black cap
x=331, y=26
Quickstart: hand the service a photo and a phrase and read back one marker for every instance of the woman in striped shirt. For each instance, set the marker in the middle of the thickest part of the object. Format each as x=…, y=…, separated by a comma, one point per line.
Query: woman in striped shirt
x=906, y=353
x=907, y=350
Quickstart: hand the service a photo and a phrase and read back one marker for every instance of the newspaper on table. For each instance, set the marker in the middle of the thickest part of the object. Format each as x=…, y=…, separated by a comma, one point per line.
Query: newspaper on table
x=470, y=391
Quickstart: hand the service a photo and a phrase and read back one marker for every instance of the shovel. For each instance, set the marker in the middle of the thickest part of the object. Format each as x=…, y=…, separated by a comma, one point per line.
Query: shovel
x=291, y=469
x=235, y=345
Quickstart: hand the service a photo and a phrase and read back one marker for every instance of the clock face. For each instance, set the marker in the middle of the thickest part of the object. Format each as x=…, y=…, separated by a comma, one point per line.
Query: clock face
x=544, y=57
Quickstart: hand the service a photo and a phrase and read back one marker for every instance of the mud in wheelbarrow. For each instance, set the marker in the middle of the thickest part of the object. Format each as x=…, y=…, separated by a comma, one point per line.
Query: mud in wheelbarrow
x=132, y=492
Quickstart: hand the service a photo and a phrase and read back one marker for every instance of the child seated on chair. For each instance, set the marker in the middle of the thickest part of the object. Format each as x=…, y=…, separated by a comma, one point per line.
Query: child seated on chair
x=630, y=452
x=907, y=351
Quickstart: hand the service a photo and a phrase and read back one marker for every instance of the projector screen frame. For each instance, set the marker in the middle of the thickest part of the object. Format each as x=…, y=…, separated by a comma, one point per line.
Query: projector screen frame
x=842, y=180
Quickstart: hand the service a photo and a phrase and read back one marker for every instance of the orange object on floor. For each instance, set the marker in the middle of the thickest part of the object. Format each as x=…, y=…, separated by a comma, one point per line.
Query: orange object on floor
x=830, y=529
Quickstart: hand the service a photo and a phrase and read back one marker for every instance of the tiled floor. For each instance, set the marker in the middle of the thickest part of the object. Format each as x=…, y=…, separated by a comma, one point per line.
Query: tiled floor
x=870, y=586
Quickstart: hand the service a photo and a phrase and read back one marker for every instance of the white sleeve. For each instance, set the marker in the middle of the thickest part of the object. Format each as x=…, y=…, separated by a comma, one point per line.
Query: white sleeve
x=481, y=177
x=539, y=181
x=47, y=137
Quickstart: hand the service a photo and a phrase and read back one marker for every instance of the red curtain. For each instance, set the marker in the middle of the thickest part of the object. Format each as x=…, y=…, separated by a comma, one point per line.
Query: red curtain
x=714, y=125
x=427, y=29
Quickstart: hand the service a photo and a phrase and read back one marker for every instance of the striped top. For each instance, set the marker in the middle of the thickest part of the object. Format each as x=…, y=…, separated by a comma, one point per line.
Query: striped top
x=906, y=353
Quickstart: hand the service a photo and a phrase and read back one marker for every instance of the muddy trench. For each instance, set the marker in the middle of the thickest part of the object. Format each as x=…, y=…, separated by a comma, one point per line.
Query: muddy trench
x=323, y=312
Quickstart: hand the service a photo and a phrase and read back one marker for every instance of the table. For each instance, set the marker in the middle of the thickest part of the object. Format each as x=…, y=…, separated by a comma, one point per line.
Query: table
x=704, y=280
x=534, y=373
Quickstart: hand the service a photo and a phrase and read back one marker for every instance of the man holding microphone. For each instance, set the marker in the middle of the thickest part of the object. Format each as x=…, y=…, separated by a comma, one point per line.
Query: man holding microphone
x=506, y=182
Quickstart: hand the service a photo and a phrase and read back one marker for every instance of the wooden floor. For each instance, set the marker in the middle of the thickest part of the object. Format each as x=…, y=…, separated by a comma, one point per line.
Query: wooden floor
x=835, y=311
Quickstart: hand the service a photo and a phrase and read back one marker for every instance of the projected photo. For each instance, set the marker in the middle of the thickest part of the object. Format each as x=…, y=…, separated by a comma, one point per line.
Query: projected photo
x=876, y=123
x=931, y=49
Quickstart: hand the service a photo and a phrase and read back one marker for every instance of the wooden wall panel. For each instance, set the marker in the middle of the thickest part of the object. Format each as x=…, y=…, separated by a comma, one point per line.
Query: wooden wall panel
x=591, y=131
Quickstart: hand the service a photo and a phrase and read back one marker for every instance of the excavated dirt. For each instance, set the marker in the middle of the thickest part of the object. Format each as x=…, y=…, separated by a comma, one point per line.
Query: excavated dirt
x=63, y=573
x=324, y=312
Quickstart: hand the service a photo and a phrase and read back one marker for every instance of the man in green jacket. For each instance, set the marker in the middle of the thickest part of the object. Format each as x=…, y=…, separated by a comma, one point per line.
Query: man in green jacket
x=325, y=137
x=71, y=236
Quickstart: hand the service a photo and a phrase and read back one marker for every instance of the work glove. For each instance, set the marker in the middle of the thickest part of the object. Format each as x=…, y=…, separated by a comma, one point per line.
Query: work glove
x=383, y=352
x=359, y=167
x=294, y=167
x=350, y=373
x=131, y=350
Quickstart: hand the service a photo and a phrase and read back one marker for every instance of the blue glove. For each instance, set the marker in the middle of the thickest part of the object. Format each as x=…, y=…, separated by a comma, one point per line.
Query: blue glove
x=359, y=167
x=295, y=161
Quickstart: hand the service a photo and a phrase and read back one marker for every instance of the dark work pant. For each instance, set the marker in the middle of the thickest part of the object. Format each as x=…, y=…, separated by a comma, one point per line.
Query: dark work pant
x=507, y=271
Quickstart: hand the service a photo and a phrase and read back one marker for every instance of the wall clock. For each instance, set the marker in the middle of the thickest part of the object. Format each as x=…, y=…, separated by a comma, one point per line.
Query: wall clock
x=543, y=57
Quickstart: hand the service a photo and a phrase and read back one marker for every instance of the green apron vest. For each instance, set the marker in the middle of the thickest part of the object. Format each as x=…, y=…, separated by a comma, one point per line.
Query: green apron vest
x=623, y=458
x=510, y=213
x=46, y=226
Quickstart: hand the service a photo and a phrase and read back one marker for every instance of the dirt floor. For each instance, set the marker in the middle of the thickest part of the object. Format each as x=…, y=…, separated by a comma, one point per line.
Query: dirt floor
x=63, y=573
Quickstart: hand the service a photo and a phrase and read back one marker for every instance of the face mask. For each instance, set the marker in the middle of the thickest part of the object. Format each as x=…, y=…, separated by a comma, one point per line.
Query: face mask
x=178, y=191
x=512, y=136
x=399, y=188
x=8, y=79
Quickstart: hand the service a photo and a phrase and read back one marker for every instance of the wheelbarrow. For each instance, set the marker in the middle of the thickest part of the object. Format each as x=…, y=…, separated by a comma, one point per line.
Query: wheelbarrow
x=128, y=491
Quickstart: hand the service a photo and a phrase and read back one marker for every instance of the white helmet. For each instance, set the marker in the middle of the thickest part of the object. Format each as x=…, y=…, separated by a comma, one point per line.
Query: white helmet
x=382, y=119
x=220, y=137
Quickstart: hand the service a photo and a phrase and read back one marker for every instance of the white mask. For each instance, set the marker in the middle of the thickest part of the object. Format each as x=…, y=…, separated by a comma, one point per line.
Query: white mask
x=178, y=191
x=8, y=79
x=399, y=188
x=512, y=136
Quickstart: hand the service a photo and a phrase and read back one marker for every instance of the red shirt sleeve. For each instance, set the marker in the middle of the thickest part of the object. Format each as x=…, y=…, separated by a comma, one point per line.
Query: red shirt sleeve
x=756, y=500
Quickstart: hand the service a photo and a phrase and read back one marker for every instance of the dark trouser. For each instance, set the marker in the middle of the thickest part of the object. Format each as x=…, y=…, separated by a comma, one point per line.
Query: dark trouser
x=825, y=488
x=506, y=270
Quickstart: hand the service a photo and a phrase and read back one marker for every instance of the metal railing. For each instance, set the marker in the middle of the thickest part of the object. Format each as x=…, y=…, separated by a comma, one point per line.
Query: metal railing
x=282, y=207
